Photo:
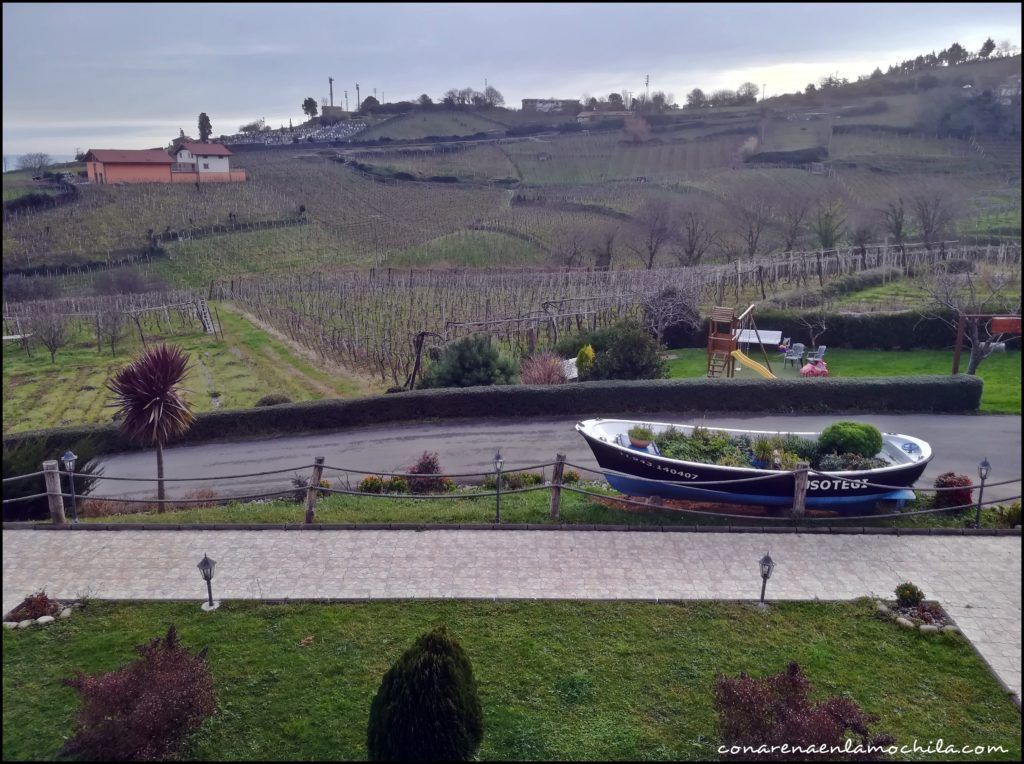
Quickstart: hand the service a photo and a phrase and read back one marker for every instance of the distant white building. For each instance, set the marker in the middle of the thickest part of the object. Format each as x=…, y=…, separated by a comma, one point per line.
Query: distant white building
x=209, y=161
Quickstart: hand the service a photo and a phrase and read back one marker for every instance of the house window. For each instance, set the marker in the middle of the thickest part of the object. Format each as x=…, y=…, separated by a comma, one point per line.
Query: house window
x=206, y=165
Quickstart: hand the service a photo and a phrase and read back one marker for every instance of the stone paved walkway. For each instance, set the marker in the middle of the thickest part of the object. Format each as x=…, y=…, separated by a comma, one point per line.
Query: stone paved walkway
x=977, y=579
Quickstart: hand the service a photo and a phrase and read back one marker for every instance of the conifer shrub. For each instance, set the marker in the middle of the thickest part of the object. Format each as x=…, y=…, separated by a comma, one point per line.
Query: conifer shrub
x=632, y=354
x=144, y=710
x=909, y=595
x=778, y=710
x=470, y=362
x=427, y=707
x=585, y=361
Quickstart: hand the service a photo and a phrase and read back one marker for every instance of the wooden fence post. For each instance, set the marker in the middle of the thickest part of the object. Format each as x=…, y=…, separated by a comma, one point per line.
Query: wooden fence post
x=556, y=485
x=314, y=488
x=800, y=489
x=51, y=473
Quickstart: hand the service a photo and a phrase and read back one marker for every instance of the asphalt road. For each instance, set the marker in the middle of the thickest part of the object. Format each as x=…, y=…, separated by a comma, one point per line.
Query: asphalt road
x=959, y=443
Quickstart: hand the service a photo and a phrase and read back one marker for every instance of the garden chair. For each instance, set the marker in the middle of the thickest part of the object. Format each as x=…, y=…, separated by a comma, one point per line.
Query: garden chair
x=818, y=355
x=795, y=354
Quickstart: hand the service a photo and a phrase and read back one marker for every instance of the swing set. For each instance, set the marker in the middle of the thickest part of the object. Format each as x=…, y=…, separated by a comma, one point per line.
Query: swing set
x=726, y=330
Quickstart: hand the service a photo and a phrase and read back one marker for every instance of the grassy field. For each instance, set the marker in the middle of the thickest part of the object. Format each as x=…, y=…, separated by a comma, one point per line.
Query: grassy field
x=471, y=249
x=529, y=507
x=233, y=373
x=557, y=680
x=1001, y=371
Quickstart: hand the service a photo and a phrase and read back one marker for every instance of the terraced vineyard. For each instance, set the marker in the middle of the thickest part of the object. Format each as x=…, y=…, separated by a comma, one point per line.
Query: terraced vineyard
x=421, y=124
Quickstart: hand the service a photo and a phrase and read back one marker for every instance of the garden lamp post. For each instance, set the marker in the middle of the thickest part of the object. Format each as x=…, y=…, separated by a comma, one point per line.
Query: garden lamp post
x=206, y=566
x=767, y=566
x=69, y=459
x=983, y=470
x=498, y=462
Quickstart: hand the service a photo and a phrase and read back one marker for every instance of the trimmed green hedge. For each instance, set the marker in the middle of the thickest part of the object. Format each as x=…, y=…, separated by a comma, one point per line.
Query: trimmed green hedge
x=585, y=399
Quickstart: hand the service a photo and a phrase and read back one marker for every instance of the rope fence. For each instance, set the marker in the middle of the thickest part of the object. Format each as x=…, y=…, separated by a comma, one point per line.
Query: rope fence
x=310, y=488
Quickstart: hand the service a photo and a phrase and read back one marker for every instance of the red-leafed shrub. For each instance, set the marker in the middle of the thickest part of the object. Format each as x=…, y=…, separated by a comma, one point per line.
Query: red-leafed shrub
x=428, y=464
x=143, y=710
x=953, y=498
x=34, y=606
x=777, y=710
x=542, y=369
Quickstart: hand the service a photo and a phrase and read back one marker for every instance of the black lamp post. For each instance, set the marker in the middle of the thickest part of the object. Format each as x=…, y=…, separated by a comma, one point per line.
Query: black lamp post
x=498, y=462
x=69, y=459
x=206, y=566
x=983, y=469
x=767, y=566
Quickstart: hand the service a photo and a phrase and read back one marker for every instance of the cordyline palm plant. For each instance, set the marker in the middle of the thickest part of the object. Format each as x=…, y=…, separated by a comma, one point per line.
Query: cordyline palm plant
x=151, y=406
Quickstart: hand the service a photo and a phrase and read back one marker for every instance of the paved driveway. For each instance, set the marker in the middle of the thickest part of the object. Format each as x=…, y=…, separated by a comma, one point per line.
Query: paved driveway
x=976, y=578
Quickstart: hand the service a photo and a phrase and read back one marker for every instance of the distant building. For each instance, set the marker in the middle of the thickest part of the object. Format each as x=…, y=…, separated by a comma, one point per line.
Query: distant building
x=335, y=112
x=552, y=105
x=203, y=163
x=190, y=163
x=1008, y=91
x=128, y=166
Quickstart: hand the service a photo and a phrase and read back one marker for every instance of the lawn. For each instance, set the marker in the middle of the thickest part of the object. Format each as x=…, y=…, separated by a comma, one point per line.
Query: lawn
x=558, y=680
x=231, y=373
x=1000, y=371
x=531, y=507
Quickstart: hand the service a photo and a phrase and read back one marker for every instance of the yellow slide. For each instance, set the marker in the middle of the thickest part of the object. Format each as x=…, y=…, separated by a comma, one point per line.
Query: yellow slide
x=747, y=361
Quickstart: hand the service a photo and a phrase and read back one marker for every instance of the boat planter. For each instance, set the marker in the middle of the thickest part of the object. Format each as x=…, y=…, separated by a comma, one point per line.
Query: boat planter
x=649, y=473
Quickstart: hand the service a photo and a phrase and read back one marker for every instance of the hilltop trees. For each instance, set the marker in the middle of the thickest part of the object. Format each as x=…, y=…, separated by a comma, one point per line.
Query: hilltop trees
x=987, y=47
x=256, y=126
x=205, y=128
x=309, y=107
x=369, y=104
x=37, y=161
x=696, y=99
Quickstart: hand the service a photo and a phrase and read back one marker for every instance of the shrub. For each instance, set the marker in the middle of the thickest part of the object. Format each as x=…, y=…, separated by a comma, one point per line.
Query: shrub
x=428, y=464
x=807, y=450
x=1010, y=516
x=144, y=710
x=301, y=484
x=201, y=497
x=427, y=707
x=632, y=354
x=396, y=484
x=274, y=399
x=542, y=369
x=570, y=477
x=777, y=710
x=371, y=484
x=34, y=606
x=25, y=456
x=850, y=438
x=908, y=595
x=470, y=362
x=960, y=498
x=584, y=361
x=513, y=480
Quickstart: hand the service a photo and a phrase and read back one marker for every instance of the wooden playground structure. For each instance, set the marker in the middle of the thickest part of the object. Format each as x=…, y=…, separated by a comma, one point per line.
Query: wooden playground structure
x=725, y=331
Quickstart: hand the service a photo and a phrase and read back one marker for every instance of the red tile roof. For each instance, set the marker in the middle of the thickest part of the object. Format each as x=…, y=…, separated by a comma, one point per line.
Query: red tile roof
x=205, y=149
x=129, y=156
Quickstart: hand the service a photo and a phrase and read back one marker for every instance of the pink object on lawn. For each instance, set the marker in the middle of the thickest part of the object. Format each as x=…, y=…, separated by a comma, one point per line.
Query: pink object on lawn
x=814, y=369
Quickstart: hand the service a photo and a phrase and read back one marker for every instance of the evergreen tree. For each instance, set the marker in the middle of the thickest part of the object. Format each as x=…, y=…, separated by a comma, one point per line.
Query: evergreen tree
x=427, y=707
x=205, y=128
x=470, y=362
x=632, y=354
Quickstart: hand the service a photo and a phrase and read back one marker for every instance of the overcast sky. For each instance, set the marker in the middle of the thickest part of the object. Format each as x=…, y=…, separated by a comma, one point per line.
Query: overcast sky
x=128, y=76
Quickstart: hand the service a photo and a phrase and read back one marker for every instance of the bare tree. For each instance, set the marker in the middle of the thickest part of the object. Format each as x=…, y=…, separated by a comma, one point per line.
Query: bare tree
x=113, y=325
x=793, y=210
x=569, y=248
x=660, y=226
x=965, y=296
x=828, y=221
x=36, y=161
x=50, y=328
x=933, y=214
x=754, y=212
x=816, y=323
x=695, y=238
x=894, y=221
x=673, y=305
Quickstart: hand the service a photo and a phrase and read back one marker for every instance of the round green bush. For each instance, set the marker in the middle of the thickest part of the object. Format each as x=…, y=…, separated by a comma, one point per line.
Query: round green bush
x=850, y=438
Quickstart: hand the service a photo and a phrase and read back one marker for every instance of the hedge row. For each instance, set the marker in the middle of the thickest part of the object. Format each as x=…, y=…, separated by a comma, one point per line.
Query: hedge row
x=587, y=399
x=856, y=331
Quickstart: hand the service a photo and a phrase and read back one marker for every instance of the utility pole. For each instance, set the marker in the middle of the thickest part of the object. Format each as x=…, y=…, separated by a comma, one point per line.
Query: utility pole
x=346, y=100
x=762, y=91
x=647, y=87
x=358, y=100
x=330, y=82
